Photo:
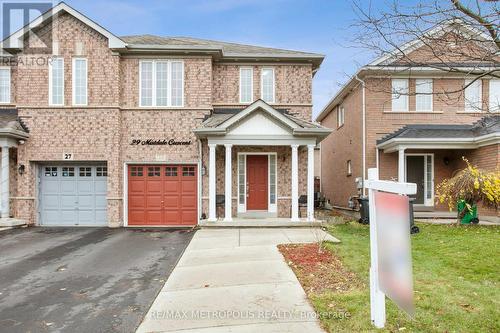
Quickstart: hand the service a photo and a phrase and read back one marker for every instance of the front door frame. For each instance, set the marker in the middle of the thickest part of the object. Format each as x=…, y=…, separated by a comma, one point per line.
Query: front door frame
x=428, y=202
x=242, y=207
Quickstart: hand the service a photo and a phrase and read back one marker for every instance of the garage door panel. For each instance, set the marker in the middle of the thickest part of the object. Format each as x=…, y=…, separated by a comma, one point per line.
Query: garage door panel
x=67, y=201
x=189, y=186
x=172, y=186
x=67, y=187
x=100, y=187
x=166, y=191
x=51, y=201
x=188, y=216
x=51, y=186
x=154, y=217
x=188, y=201
x=73, y=195
x=86, y=217
x=85, y=186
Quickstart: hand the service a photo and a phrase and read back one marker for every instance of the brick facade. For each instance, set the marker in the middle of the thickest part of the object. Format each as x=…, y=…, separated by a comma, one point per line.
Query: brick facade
x=103, y=130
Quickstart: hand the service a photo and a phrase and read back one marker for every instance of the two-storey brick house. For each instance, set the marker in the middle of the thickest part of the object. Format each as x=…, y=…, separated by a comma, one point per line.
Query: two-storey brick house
x=149, y=130
x=414, y=123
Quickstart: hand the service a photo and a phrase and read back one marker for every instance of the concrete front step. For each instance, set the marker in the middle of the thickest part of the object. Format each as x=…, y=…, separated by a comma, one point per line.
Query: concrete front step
x=11, y=222
x=260, y=223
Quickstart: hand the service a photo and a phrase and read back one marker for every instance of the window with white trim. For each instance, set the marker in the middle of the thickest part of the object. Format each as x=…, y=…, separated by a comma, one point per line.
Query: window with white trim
x=340, y=116
x=494, y=95
x=399, y=95
x=79, y=81
x=56, y=81
x=5, y=85
x=349, y=168
x=161, y=83
x=246, y=85
x=473, y=95
x=423, y=92
x=267, y=85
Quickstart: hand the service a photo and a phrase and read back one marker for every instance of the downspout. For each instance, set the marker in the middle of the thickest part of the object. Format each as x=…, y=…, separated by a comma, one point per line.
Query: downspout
x=200, y=173
x=363, y=131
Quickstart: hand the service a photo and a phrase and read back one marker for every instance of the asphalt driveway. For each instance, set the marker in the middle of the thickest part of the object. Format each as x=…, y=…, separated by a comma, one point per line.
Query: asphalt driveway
x=83, y=279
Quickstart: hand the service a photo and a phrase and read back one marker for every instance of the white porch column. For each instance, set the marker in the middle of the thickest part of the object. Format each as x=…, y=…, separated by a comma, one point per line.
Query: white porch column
x=5, y=183
x=295, y=184
x=401, y=164
x=211, y=184
x=228, y=184
x=310, y=182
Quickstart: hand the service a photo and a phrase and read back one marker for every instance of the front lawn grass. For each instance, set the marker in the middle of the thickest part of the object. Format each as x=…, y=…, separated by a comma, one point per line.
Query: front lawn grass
x=456, y=281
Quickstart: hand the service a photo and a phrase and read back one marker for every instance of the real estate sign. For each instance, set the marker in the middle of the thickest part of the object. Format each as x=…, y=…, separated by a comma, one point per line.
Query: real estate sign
x=394, y=249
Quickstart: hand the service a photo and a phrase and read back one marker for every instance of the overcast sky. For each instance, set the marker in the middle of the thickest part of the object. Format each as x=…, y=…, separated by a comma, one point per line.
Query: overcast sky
x=321, y=26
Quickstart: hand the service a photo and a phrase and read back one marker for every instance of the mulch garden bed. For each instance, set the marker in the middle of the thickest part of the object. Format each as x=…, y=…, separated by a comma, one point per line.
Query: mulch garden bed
x=318, y=271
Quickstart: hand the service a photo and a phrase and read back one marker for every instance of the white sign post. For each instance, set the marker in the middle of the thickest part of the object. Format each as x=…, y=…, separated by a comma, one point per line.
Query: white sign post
x=377, y=295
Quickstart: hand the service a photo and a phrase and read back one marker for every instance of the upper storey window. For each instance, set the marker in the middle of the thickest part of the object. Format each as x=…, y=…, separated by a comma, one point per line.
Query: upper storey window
x=79, y=81
x=56, y=81
x=399, y=94
x=495, y=95
x=246, y=85
x=267, y=85
x=4, y=85
x=423, y=90
x=161, y=83
x=340, y=116
x=473, y=96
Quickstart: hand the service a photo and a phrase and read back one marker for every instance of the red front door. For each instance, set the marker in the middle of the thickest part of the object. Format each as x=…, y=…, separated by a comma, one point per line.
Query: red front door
x=162, y=195
x=257, y=170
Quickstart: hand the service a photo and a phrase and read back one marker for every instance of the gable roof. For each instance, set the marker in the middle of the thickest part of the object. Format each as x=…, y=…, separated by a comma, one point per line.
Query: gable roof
x=14, y=40
x=437, y=30
x=220, y=122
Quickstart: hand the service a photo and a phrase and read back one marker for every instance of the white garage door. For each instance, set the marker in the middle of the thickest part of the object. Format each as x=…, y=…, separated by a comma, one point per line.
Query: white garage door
x=73, y=195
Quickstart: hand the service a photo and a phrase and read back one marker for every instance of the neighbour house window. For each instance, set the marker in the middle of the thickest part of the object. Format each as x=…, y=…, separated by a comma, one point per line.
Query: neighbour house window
x=349, y=168
x=267, y=85
x=494, y=95
x=423, y=90
x=161, y=83
x=79, y=81
x=246, y=85
x=399, y=95
x=56, y=81
x=340, y=116
x=473, y=96
x=5, y=85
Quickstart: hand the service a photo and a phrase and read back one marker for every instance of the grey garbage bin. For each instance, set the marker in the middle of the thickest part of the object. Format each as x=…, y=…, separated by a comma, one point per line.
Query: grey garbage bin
x=413, y=228
x=364, y=210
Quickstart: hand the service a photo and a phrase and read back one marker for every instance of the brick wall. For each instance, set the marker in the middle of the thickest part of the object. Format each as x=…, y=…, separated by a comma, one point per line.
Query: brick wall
x=293, y=86
x=345, y=143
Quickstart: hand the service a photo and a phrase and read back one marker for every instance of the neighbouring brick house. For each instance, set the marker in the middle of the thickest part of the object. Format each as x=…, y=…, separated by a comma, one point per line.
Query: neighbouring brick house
x=136, y=130
x=419, y=136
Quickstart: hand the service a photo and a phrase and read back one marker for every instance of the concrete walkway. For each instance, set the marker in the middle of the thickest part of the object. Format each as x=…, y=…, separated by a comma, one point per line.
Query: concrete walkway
x=235, y=280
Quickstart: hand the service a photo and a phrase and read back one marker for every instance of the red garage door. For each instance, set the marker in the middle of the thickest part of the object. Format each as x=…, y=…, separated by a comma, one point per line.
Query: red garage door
x=162, y=195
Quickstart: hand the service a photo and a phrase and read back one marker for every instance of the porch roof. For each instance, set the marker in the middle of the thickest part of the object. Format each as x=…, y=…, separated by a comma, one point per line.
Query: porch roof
x=11, y=126
x=484, y=132
x=221, y=120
